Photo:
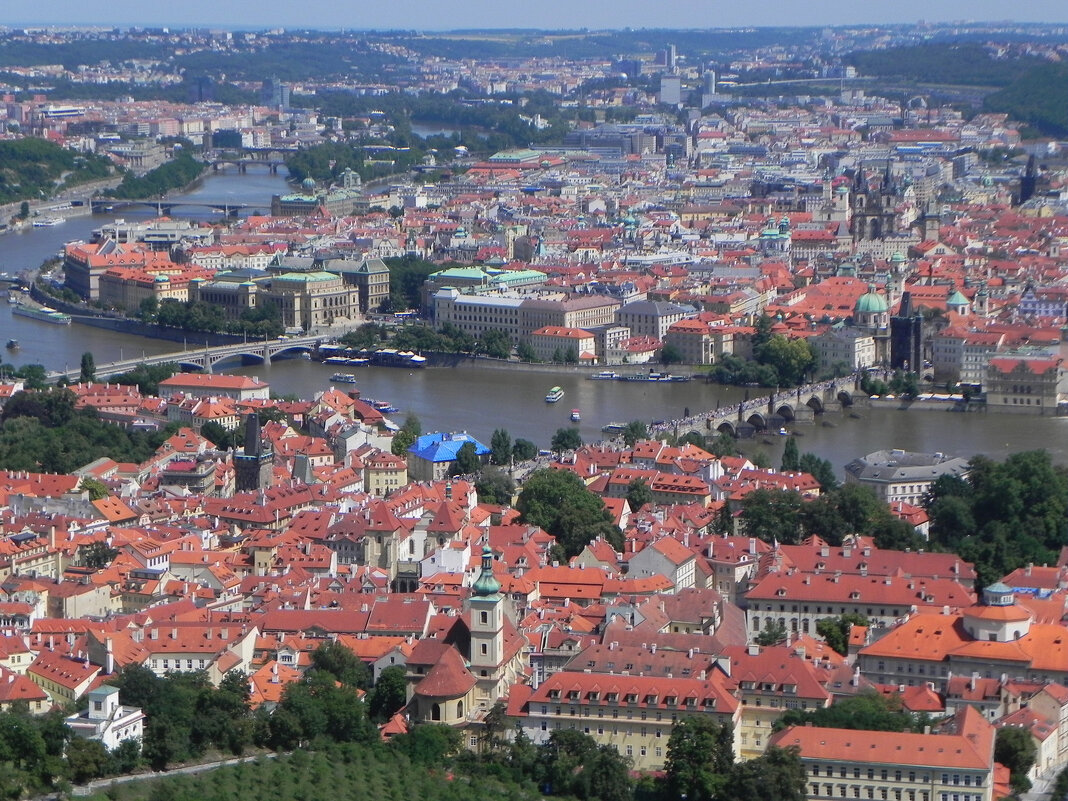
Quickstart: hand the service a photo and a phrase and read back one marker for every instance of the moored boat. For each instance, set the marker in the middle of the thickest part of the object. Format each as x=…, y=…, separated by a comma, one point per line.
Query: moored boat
x=42, y=313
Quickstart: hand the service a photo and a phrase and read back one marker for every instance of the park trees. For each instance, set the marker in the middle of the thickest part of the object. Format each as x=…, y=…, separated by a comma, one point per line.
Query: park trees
x=1015, y=749
x=494, y=486
x=633, y=431
x=559, y=502
x=500, y=447
x=467, y=462
x=835, y=630
x=700, y=756
x=406, y=437
x=566, y=439
x=638, y=494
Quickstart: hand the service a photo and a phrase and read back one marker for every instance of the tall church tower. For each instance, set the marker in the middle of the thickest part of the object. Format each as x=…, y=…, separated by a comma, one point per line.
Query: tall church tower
x=486, y=610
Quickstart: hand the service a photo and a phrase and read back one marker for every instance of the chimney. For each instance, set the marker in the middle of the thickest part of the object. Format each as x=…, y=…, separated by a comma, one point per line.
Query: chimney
x=109, y=658
x=752, y=545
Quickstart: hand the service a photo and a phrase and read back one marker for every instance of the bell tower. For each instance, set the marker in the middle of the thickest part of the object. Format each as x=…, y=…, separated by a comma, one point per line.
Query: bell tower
x=486, y=612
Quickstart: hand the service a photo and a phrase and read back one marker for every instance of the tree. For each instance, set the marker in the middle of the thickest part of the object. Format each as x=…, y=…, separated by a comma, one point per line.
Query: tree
x=342, y=664
x=217, y=435
x=87, y=759
x=495, y=343
x=406, y=437
x=723, y=445
x=97, y=554
x=791, y=456
x=700, y=756
x=670, y=354
x=524, y=450
x=96, y=488
x=389, y=693
x=777, y=775
x=494, y=486
x=633, y=431
x=88, y=367
x=560, y=503
x=820, y=469
x=835, y=630
x=695, y=438
x=867, y=711
x=1015, y=749
x=500, y=447
x=24, y=210
x=467, y=462
x=566, y=439
x=638, y=494
x=773, y=634
x=772, y=515
x=525, y=351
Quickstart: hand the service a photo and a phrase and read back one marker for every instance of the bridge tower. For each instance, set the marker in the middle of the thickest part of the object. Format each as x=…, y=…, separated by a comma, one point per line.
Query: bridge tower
x=253, y=465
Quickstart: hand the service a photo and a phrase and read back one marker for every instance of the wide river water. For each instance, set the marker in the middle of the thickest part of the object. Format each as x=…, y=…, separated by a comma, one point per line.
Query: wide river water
x=477, y=400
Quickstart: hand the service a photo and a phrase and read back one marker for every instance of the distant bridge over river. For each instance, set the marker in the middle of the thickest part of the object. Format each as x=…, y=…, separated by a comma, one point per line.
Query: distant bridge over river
x=207, y=357
x=780, y=408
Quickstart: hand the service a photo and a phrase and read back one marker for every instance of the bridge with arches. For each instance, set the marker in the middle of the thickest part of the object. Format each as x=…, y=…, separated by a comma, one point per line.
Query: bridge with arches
x=271, y=157
x=207, y=357
x=164, y=208
x=773, y=411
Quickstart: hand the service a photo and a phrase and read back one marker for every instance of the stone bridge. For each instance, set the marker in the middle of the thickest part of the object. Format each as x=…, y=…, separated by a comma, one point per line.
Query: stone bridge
x=207, y=357
x=800, y=405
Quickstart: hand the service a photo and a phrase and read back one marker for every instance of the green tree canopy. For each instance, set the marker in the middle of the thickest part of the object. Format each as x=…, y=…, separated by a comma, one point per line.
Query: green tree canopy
x=566, y=439
x=560, y=503
x=633, y=431
x=467, y=462
x=500, y=447
x=700, y=756
x=638, y=494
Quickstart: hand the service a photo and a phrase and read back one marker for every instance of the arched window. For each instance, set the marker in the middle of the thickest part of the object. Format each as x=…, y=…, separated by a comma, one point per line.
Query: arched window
x=435, y=712
x=459, y=709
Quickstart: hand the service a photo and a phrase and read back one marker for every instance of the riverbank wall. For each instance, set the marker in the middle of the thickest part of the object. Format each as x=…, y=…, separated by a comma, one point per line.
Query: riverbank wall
x=82, y=315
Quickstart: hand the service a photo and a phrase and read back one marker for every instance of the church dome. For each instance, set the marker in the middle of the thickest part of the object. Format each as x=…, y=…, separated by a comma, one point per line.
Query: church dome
x=308, y=184
x=956, y=299
x=486, y=584
x=871, y=302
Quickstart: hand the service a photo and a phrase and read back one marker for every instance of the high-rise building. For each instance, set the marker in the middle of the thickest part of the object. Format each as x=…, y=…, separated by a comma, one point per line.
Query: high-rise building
x=671, y=90
x=275, y=94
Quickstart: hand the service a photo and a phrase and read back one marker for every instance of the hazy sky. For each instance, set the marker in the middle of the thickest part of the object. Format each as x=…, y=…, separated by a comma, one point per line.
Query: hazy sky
x=439, y=15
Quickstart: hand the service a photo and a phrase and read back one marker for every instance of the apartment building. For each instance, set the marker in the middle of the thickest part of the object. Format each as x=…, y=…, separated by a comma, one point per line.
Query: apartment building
x=632, y=713
x=955, y=764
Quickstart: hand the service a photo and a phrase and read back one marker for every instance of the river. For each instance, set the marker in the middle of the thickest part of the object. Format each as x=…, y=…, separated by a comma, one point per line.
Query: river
x=476, y=400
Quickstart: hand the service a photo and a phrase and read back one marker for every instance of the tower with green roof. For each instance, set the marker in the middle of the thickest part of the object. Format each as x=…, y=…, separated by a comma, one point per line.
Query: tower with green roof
x=485, y=608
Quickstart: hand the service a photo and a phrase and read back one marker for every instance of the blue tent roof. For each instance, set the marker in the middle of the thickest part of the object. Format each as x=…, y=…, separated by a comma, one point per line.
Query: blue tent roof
x=441, y=447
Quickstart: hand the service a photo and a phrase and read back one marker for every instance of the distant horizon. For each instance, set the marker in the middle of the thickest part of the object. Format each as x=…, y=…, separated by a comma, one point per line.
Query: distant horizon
x=548, y=15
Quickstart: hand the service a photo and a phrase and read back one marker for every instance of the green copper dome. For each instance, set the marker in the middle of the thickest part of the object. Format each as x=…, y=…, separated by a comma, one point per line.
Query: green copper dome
x=956, y=299
x=486, y=584
x=871, y=302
